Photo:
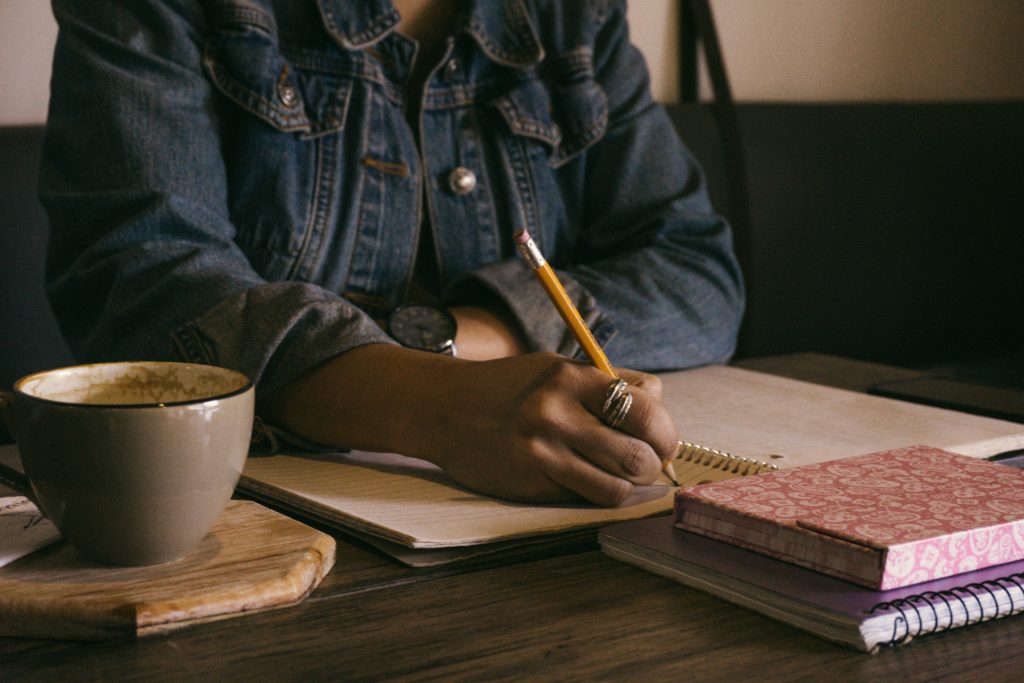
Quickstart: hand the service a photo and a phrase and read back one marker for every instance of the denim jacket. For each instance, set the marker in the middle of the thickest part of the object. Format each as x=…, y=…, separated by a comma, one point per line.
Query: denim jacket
x=235, y=182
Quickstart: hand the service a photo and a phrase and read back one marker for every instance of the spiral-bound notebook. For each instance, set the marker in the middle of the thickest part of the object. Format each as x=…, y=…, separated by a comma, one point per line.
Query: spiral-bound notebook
x=412, y=510
x=828, y=607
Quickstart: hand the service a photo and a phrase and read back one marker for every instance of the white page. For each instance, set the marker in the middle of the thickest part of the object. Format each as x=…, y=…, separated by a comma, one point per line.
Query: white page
x=757, y=415
x=23, y=529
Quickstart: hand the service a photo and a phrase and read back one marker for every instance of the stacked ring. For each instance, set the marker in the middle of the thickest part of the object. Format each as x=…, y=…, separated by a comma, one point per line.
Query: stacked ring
x=617, y=403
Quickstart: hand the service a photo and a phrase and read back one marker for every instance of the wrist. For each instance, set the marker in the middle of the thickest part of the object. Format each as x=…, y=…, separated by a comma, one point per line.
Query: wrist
x=423, y=327
x=487, y=332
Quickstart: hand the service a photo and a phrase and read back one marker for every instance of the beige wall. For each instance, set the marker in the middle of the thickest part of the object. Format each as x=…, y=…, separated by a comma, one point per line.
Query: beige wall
x=27, y=35
x=836, y=50
x=806, y=50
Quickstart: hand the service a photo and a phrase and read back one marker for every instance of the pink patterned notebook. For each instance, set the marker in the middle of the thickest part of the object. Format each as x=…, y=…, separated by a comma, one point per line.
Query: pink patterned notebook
x=882, y=520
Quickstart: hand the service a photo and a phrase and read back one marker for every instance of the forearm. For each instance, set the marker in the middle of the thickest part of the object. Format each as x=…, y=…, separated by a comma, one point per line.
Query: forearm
x=335, y=402
x=375, y=397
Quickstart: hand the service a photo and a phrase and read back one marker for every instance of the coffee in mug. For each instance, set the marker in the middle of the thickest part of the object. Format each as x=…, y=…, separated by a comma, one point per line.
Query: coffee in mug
x=132, y=461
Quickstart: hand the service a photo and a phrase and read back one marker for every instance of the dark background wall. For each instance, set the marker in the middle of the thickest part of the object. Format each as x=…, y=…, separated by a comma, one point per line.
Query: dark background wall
x=888, y=232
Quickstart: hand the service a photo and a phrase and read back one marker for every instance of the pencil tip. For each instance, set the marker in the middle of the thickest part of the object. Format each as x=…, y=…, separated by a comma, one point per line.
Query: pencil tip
x=670, y=472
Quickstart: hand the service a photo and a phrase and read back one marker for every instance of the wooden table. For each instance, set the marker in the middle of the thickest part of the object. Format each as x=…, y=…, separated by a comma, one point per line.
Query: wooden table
x=571, y=615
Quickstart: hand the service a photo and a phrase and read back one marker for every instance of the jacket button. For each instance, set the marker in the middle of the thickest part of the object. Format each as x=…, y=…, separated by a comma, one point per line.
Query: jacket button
x=461, y=180
x=289, y=97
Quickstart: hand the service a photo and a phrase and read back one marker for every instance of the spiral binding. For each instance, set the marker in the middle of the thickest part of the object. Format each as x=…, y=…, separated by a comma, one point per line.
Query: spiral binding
x=710, y=457
x=714, y=464
x=976, y=602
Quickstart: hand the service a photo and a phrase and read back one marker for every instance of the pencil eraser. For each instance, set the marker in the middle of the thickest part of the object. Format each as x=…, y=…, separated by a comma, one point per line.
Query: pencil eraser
x=521, y=236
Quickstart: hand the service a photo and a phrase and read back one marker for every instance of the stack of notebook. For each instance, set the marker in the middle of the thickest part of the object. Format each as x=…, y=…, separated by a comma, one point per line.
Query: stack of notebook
x=867, y=551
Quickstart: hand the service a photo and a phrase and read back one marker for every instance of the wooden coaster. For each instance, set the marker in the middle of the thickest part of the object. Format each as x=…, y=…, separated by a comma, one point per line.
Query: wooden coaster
x=253, y=559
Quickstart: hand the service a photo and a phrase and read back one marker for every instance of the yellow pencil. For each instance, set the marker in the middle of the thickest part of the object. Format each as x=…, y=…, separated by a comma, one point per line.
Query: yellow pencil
x=563, y=304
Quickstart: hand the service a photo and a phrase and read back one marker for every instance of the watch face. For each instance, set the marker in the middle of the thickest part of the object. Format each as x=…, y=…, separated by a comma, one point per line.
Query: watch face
x=423, y=327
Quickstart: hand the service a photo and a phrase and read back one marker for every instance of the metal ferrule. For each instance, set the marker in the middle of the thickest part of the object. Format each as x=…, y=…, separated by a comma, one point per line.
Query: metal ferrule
x=532, y=254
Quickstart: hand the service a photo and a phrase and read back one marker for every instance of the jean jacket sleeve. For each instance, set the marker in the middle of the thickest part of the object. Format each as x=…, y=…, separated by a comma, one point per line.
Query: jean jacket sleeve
x=652, y=270
x=142, y=261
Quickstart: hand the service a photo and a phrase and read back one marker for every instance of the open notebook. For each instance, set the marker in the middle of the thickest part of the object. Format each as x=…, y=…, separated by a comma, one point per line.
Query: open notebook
x=412, y=510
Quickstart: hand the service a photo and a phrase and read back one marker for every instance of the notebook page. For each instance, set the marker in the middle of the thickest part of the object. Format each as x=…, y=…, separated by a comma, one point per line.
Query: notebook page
x=414, y=503
x=23, y=529
x=757, y=415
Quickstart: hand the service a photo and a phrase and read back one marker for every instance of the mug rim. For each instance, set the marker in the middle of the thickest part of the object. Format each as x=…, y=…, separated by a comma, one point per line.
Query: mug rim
x=247, y=385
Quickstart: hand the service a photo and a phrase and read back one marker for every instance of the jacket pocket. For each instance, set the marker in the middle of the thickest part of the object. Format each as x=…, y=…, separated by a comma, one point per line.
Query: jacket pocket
x=562, y=106
x=245, y=60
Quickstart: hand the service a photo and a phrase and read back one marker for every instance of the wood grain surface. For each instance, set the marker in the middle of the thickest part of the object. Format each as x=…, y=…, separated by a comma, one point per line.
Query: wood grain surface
x=580, y=617
x=570, y=616
x=253, y=559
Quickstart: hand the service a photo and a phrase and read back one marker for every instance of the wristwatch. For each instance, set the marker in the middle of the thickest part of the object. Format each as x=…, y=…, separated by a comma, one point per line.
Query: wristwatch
x=427, y=328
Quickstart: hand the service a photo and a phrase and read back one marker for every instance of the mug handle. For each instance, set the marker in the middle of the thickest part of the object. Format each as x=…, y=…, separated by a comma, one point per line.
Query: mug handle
x=10, y=477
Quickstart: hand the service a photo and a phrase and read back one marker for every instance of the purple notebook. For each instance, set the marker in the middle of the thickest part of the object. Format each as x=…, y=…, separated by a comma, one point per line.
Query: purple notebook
x=831, y=608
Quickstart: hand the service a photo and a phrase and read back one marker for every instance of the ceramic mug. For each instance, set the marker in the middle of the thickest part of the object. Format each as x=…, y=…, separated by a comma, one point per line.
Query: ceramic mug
x=133, y=461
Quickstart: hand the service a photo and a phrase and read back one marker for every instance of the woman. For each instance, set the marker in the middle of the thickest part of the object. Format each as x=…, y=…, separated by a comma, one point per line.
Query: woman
x=267, y=186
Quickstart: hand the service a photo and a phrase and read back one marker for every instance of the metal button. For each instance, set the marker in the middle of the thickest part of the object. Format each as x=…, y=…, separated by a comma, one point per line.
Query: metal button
x=287, y=93
x=452, y=66
x=461, y=180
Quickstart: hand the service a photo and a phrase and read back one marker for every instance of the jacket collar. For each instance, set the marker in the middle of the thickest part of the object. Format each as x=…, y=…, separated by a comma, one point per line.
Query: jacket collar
x=503, y=30
x=356, y=25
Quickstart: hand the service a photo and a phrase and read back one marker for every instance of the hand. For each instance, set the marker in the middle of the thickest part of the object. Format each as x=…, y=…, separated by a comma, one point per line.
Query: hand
x=527, y=428
x=531, y=428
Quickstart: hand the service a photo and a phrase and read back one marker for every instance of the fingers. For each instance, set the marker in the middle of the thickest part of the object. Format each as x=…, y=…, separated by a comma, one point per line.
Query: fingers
x=649, y=421
x=609, y=459
x=646, y=429
x=616, y=452
x=632, y=452
x=589, y=481
x=604, y=464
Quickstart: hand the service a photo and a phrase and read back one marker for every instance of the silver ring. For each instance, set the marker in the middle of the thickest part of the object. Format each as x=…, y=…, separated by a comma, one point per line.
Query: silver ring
x=622, y=409
x=617, y=403
x=611, y=396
